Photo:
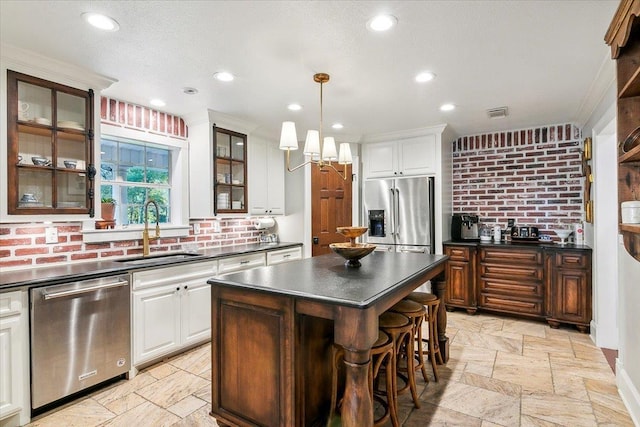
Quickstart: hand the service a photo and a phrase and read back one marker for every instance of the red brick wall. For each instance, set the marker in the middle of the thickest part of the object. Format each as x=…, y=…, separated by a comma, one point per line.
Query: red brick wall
x=137, y=117
x=23, y=245
x=531, y=175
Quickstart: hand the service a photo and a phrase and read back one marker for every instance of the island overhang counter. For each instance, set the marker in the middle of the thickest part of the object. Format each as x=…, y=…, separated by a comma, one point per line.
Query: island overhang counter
x=273, y=328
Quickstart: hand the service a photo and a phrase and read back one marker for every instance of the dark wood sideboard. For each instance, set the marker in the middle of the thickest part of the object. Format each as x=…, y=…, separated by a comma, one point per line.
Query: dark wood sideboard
x=547, y=282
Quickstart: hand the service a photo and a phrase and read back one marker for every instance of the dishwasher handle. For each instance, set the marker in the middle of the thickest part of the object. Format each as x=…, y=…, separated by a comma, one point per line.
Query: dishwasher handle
x=84, y=290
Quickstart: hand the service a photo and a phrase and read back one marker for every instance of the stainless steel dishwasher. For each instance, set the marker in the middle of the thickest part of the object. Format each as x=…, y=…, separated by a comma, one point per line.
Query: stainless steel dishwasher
x=80, y=336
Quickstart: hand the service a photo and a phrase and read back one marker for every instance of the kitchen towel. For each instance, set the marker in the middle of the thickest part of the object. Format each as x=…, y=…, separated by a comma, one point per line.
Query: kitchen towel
x=262, y=223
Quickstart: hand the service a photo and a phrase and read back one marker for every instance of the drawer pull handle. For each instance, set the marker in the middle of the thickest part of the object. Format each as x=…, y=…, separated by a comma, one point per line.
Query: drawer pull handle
x=244, y=262
x=70, y=292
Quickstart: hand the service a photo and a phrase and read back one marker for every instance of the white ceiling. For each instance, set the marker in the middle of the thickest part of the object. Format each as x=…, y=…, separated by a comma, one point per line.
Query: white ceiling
x=539, y=58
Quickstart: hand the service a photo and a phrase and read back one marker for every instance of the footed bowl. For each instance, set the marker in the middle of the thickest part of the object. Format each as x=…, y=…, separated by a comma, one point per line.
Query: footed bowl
x=352, y=252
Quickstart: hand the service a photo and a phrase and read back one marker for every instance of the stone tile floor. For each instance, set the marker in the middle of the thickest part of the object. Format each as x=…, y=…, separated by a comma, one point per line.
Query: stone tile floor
x=501, y=372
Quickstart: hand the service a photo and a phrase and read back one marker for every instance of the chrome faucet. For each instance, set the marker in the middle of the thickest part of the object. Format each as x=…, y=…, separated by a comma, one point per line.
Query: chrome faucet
x=145, y=233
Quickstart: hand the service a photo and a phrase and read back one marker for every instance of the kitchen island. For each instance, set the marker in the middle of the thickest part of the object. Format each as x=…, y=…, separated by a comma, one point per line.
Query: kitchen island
x=273, y=329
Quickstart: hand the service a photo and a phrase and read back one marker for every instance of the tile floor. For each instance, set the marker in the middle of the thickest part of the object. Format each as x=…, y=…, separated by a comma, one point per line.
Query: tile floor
x=502, y=372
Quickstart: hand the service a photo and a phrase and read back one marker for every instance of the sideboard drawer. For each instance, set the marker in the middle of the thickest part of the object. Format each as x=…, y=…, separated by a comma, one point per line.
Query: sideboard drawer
x=513, y=305
x=458, y=253
x=511, y=256
x=518, y=289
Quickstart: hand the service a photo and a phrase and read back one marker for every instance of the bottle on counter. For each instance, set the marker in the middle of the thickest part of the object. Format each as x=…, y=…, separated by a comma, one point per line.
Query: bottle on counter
x=578, y=233
x=497, y=234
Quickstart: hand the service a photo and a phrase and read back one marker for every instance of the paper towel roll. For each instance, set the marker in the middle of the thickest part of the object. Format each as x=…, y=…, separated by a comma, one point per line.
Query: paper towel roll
x=262, y=223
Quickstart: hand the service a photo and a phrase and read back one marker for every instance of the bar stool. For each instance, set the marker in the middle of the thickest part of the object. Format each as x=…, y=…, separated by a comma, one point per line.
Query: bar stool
x=431, y=303
x=414, y=313
x=382, y=354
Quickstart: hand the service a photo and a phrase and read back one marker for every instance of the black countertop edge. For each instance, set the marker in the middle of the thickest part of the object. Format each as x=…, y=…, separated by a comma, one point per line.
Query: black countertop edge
x=73, y=271
x=538, y=244
x=319, y=275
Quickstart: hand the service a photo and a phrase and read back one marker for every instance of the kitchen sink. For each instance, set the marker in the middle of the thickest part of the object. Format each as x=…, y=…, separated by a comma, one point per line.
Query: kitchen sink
x=158, y=259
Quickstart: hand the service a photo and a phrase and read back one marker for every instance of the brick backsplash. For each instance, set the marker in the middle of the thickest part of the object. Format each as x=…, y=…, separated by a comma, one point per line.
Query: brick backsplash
x=23, y=245
x=532, y=175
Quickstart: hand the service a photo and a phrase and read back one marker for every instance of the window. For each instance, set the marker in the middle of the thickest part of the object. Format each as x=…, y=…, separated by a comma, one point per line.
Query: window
x=133, y=172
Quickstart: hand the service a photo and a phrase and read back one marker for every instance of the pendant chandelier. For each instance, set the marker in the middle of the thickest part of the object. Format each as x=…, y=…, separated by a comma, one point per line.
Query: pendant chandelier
x=321, y=151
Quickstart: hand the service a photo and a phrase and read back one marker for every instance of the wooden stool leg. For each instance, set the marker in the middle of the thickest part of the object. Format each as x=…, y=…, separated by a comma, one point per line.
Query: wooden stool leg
x=420, y=351
x=411, y=370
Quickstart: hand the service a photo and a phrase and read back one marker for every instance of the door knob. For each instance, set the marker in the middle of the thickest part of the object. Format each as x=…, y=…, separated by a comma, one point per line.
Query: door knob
x=316, y=240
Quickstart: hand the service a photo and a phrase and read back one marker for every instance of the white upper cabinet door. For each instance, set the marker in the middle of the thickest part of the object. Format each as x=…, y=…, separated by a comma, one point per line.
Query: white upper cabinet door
x=417, y=156
x=266, y=179
x=406, y=157
x=380, y=160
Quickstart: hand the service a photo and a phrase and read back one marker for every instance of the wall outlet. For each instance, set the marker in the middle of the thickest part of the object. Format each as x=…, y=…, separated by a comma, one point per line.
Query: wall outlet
x=51, y=235
x=196, y=228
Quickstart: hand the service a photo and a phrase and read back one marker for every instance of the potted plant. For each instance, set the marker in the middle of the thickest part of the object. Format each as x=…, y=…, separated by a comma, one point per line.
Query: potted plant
x=108, y=208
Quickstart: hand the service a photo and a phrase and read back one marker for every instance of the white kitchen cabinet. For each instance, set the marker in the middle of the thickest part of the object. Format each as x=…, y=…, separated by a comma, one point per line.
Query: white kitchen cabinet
x=171, y=309
x=14, y=359
x=407, y=157
x=202, y=179
x=266, y=178
x=241, y=262
x=284, y=255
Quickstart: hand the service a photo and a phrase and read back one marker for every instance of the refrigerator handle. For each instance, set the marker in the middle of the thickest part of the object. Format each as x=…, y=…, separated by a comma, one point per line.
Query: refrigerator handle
x=397, y=221
x=392, y=212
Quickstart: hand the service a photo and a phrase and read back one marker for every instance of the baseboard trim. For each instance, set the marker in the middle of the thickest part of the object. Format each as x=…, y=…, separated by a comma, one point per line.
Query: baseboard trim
x=628, y=392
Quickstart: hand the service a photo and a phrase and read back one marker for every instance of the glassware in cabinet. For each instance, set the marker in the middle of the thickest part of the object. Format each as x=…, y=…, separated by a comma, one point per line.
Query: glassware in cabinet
x=50, y=147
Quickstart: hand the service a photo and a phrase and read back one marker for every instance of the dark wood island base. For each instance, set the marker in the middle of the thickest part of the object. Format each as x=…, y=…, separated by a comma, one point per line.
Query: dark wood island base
x=273, y=328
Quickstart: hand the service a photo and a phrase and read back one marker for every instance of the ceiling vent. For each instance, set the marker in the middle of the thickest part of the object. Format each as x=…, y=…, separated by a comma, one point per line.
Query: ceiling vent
x=497, y=113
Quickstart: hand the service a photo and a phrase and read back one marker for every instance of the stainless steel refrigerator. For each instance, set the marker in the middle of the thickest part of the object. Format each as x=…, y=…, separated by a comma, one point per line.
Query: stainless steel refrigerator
x=399, y=214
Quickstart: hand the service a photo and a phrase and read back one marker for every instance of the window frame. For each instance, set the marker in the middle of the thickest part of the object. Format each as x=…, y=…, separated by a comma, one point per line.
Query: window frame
x=179, y=194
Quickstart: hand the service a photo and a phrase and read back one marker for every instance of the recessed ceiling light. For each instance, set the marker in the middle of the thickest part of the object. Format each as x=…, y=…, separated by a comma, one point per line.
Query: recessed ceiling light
x=224, y=76
x=337, y=126
x=447, y=107
x=157, y=102
x=189, y=90
x=101, y=22
x=294, y=107
x=382, y=22
x=426, y=76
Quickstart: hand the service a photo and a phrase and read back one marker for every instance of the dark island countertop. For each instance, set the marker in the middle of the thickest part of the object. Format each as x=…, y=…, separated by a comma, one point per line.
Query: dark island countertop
x=327, y=279
x=13, y=279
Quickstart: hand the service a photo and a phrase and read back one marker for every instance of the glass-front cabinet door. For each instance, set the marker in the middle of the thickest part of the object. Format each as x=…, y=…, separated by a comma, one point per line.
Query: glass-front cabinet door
x=230, y=188
x=50, y=147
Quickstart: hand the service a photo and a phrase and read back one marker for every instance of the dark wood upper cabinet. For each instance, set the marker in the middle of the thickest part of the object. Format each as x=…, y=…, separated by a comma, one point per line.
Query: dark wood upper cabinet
x=50, y=135
x=230, y=171
x=624, y=38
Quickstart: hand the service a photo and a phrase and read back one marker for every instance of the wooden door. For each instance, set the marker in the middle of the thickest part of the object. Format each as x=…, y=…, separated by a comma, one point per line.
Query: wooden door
x=330, y=207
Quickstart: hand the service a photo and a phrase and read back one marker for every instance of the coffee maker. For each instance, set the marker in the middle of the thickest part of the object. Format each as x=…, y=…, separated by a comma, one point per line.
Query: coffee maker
x=464, y=227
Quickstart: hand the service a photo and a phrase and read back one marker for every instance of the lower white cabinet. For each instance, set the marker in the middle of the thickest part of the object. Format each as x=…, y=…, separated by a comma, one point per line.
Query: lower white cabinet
x=14, y=359
x=241, y=262
x=284, y=255
x=171, y=309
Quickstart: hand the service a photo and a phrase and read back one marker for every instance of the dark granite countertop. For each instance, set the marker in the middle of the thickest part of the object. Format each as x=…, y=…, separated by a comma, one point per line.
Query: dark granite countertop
x=326, y=279
x=538, y=244
x=10, y=280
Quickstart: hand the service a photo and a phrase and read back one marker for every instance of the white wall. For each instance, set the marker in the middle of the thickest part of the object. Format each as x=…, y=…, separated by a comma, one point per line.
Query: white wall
x=628, y=364
x=291, y=227
x=603, y=239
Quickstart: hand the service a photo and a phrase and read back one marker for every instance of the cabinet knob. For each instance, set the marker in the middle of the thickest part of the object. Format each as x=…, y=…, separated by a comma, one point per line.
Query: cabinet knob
x=400, y=172
x=178, y=288
x=395, y=173
x=186, y=287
